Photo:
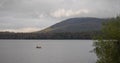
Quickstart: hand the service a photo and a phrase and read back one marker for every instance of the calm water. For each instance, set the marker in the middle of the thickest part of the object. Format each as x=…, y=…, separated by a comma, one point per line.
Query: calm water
x=52, y=51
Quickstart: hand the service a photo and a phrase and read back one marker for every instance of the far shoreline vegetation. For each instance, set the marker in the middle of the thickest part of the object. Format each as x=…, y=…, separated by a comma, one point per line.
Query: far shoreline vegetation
x=55, y=36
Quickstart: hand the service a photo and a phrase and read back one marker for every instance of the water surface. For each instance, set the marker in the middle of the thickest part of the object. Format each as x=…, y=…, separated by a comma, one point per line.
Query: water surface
x=52, y=51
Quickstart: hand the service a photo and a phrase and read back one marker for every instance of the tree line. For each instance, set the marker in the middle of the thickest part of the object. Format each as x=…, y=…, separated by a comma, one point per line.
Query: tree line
x=62, y=35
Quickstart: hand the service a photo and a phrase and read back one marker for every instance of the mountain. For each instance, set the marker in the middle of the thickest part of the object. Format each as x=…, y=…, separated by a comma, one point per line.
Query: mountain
x=76, y=25
x=73, y=28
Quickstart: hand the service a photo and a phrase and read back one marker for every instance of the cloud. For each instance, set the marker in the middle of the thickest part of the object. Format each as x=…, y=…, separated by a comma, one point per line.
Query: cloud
x=2, y=2
x=27, y=30
x=19, y=14
x=66, y=13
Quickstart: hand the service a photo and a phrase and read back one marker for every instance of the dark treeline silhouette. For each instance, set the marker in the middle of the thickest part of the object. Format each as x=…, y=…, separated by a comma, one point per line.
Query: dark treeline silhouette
x=62, y=35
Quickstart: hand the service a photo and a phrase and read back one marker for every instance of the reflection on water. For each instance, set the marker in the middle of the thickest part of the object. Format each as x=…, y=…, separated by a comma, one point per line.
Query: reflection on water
x=52, y=51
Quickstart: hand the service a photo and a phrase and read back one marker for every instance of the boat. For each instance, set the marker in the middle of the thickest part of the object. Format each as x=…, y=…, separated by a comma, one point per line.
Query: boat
x=38, y=47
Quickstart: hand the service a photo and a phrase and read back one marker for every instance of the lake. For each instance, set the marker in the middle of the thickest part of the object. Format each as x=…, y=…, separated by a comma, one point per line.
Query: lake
x=52, y=51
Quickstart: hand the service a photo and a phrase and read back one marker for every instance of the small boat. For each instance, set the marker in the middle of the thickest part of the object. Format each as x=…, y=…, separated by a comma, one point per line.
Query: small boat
x=38, y=47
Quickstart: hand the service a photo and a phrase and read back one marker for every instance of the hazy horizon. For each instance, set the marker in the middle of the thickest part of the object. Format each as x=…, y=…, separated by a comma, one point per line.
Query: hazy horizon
x=34, y=15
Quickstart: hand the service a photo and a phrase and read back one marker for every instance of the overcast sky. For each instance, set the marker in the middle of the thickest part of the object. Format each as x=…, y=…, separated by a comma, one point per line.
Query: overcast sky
x=34, y=15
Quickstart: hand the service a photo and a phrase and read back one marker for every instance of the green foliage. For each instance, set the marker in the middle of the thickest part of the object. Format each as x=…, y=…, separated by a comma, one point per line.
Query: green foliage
x=111, y=29
x=107, y=46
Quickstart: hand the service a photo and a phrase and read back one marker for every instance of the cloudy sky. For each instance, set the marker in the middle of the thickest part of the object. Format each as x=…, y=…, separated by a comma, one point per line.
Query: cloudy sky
x=34, y=15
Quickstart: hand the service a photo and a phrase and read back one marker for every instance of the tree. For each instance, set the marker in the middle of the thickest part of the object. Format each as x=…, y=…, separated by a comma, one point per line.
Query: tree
x=107, y=46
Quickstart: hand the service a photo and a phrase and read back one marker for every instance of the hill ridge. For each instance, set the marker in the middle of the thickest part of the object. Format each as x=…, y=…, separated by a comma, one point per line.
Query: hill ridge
x=76, y=25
